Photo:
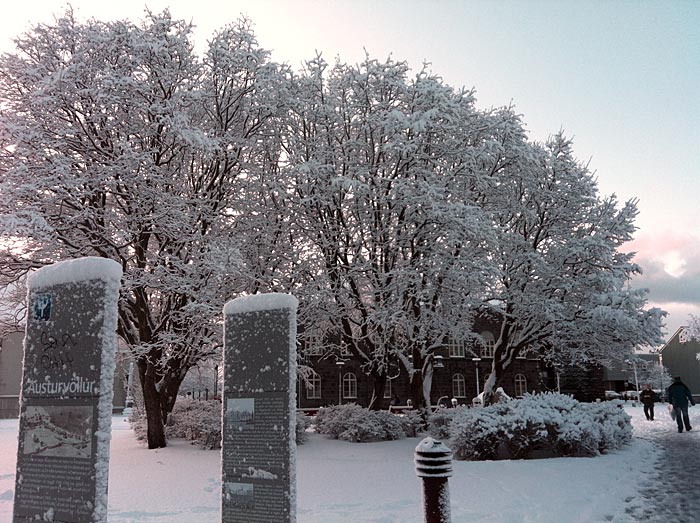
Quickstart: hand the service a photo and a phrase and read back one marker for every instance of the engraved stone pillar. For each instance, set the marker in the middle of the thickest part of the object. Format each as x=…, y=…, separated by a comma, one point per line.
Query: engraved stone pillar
x=258, y=430
x=66, y=396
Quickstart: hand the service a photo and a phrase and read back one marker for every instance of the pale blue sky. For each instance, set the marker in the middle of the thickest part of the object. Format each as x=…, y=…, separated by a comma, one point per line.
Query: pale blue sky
x=621, y=77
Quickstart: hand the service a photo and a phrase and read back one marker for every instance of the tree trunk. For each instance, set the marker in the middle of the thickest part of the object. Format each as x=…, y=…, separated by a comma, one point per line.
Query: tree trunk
x=427, y=382
x=490, y=388
x=168, y=394
x=420, y=381
x=378, y=386
x=417, y=388
x=155, y=434
x=501, y=356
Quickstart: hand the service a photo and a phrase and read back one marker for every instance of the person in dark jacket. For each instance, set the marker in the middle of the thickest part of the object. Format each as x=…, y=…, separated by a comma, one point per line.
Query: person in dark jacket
x=679, y=396
x=647, y=397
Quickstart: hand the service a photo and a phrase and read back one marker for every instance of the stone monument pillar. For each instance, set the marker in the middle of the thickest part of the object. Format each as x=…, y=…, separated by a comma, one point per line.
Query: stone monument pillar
x=259, y=410
x=66, y=395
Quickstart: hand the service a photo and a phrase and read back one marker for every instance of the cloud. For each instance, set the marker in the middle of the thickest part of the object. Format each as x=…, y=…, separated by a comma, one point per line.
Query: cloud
x=670, y=263
x=671, y=267
x=678, y=315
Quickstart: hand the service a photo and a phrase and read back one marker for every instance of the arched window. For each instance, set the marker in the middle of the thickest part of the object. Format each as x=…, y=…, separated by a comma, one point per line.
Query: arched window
x=488, y=344
x=313, y=387
x=349, y=386
x=458, y=386
x=520, y=384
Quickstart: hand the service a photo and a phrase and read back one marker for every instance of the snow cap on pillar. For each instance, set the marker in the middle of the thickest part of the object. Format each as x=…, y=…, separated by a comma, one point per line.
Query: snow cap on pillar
x=261, y=302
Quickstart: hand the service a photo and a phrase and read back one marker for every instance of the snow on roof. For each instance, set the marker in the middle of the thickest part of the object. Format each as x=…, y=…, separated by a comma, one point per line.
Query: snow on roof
x=261, y=302
x=80, y=269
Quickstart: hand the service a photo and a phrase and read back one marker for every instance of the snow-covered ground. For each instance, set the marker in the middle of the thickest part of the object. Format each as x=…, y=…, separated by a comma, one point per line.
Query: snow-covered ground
x=340, y=482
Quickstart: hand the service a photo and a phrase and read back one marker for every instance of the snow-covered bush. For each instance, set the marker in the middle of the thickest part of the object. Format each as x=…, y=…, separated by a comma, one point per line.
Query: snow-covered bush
x=137, y=420
x=553, y=424
x=199, y=422
x=476, y=434
x=439, y=423
x=352, y=422
x=303, y=423
x=196, y=421
x=614, y=422
x=412, y=422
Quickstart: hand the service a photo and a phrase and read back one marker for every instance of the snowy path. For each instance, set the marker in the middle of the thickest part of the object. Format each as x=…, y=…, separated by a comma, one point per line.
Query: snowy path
x=672, y=488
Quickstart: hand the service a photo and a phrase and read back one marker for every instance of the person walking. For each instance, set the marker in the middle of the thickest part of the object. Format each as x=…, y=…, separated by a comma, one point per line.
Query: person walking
x=647, y=398
x=679, y=396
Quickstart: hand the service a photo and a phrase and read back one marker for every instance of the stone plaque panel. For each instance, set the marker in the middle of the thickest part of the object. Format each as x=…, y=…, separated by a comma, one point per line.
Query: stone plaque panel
x=66, y=395
x=258, y=448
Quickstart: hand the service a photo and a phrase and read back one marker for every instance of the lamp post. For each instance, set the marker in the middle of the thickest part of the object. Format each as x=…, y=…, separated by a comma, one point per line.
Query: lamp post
x=129, y=402
x=438, y=362
x=216, y=381
x=476, y=366
x=636, y=380
x=340, y=381
x=558, y=383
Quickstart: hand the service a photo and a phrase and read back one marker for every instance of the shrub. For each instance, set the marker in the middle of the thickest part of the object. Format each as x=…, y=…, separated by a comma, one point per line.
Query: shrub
x=411, y=422
x=554, y=424
x=477, y=434
x=196, y=421
x=614, y=423
x=329, y=420
x=303, y=423
x=199, y=422
x=439, y=423
x=351, y=422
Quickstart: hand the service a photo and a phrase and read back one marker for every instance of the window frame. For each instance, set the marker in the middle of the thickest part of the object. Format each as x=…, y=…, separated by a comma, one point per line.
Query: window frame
x=456, y=348
x=460, y=381
x=489, y=344
x=313, y=387
x=314, y=346
x=349, y=386
x=520, y=384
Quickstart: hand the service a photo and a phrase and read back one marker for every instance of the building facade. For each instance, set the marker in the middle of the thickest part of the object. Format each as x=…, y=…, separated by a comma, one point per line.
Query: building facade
x=11, y=355
x=680, y=356
x=459, y=372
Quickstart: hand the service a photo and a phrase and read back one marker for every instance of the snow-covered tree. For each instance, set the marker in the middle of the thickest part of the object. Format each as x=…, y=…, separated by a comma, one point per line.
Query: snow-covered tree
x=562, y=284
x=122, y=144
x=653, y=373
x=694, y=327
x=391, y=206
x=382, y=169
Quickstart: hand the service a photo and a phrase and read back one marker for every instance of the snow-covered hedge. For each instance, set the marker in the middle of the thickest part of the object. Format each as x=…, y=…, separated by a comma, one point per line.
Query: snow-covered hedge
x=439, y=422
x=193, y=420
x=538, y=425
x=412, y=422
x=196, y=421
x=199, y=422
x=303, y=423
x=352, y=422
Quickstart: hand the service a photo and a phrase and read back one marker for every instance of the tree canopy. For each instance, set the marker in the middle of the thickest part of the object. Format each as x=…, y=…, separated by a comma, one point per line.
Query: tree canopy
x=385, y=200
x=123, y=144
